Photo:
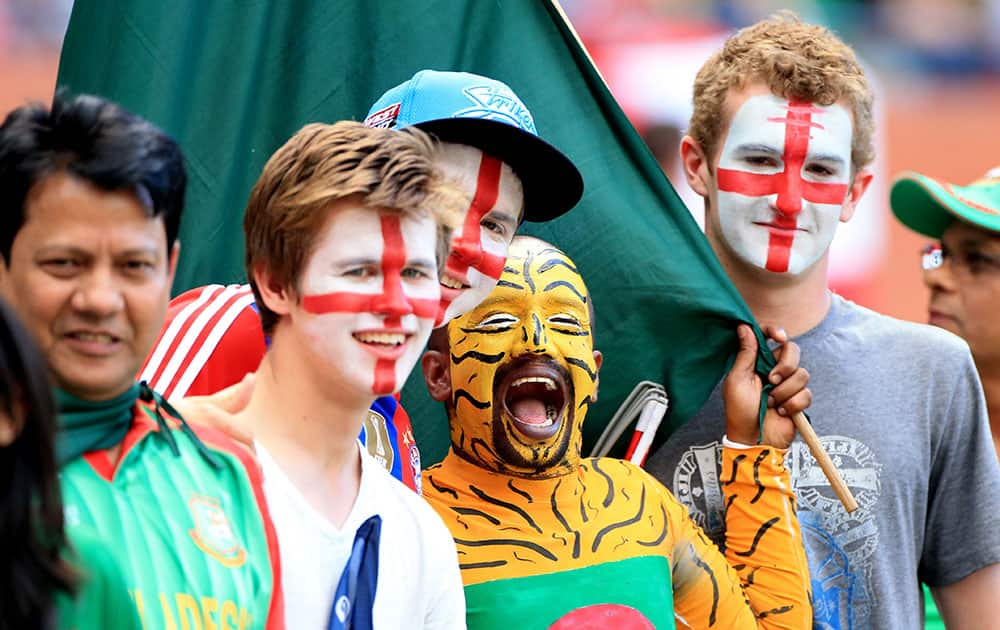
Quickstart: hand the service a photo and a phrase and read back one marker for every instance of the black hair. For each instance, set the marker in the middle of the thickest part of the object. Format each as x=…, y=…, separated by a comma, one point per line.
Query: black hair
x=31, y=511
x=95, y=140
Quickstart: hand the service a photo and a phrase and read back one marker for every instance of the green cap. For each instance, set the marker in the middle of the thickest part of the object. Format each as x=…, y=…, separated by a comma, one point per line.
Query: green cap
x=928, y=206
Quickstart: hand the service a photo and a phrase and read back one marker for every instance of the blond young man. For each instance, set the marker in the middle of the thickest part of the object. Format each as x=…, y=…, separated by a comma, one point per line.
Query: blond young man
x=342, y=252
x=779, y=145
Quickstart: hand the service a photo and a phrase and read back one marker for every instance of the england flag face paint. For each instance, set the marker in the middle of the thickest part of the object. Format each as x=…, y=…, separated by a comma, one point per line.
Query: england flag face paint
x=370, y=296
x=783, y=177
x=479, y=247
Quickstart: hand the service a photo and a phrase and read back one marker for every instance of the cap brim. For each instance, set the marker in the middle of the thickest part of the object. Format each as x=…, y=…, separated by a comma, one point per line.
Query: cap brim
x=552, y=184
x=922, y=204
x=929, y=206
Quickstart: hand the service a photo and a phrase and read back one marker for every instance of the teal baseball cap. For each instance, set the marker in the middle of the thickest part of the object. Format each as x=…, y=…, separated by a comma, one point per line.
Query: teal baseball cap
x=481, y=112
x=928, y=206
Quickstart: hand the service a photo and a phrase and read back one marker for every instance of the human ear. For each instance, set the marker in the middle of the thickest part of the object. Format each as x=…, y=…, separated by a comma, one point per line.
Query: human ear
x=862, y=179
x=276, y=296
x=598, y=360
x=437, y=375
x=696, y=165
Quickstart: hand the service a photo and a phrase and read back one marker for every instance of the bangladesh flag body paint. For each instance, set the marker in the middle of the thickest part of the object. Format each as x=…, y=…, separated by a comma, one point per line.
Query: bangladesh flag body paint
x=606, y=545
x=631, y=594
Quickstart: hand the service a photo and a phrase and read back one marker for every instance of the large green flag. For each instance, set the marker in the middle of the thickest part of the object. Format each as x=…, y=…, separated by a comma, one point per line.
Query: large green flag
x=233, y=80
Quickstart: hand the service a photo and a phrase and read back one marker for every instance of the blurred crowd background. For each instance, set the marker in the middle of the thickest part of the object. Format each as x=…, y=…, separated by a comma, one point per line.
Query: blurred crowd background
x=935, y=65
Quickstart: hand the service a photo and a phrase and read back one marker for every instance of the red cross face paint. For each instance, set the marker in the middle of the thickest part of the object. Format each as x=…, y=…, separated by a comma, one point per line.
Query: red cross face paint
x=783, y=178
x=369, y=297
x=479, y=248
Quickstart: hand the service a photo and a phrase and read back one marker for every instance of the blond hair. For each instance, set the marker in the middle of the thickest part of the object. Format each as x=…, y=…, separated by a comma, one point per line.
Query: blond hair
x=797, y=61
x=321, y=164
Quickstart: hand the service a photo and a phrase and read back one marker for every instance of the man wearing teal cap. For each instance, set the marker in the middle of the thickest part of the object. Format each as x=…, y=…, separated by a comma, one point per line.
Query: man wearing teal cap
x=965, y=220
x=963, y=273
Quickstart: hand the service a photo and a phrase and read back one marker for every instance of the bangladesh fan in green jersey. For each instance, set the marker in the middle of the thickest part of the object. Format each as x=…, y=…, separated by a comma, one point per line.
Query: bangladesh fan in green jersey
x=92, y=198
x=45, y=582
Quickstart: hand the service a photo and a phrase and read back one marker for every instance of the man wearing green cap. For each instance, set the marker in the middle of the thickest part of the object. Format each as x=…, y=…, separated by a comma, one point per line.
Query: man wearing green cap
x=963, y=273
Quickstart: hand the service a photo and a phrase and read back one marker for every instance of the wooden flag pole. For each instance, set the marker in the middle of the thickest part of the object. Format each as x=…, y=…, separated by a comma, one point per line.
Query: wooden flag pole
x=832, y=474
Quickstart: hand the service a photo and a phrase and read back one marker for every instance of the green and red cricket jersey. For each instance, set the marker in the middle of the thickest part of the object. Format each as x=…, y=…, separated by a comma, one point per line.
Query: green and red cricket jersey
x=194, y=542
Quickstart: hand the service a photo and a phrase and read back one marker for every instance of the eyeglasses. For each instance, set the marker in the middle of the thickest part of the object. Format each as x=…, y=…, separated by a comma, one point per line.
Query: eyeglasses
x=930, y=256
x=974, y=262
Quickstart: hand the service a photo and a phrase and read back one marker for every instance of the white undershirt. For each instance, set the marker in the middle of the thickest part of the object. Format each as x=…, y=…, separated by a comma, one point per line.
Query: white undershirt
x=419, y=584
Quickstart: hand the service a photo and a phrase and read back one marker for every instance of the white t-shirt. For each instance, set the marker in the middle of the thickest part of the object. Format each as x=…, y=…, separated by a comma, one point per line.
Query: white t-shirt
x=419, y=584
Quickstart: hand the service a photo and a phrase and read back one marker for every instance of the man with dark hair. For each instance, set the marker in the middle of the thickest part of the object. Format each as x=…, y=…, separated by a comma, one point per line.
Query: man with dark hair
x=93, y=196
x=963, y=271
x=779, y=147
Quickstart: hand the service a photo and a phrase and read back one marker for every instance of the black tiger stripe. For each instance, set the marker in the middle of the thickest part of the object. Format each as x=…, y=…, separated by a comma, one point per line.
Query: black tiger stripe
x=572, y=333
x=478, y=404
x=498, y=542
x=536, y=334
x=583, y=511
x=580, y=363
x=611, y=484
x=510, y=506
x=556, y=262
x=527, y=271
x=562, y=520
x=589, y=400
x=479, y=356
x=491, y=564
x=756, y=538
x=464, y=511
x=612, y=527
x=776, y=611
x=756, y=475
x=563, y=283
x=442, y=489
x=712, y=617
x=491, y=331
x=516, y=490
x=751, y=576
x=512, y=285
x=507, y=269
x=736, y=463
x=729, y=502
x=663, y=532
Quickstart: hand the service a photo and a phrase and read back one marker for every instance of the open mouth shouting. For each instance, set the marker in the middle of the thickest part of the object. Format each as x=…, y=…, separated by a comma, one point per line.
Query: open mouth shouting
x=534, y=397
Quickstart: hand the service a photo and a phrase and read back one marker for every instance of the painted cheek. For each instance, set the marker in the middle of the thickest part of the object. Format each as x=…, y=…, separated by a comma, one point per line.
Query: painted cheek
x=789, y=186
x=467, y=247
x=392, y=302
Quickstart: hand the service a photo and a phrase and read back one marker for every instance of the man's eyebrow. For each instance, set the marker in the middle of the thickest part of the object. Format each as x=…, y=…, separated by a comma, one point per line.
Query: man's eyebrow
x=426, y=263
x=828, y=157
x=756, y=147
x=360, y=260
x=500, y=215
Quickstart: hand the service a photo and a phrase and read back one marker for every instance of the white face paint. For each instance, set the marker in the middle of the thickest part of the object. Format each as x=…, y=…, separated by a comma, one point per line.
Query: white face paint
x=479, y=248
x=783, y=178
x=369, y=297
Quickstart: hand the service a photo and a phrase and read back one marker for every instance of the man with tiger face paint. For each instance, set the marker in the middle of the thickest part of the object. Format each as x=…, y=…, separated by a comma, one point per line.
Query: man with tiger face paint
x=549, y=539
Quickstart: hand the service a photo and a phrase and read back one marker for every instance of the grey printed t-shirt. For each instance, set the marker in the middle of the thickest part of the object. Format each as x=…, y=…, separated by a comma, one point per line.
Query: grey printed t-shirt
x=899, y=408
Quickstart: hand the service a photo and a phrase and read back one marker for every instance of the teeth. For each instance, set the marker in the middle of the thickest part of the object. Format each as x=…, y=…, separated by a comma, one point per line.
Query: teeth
x=84, y=336
x=394, y=339
x=548, y=382
x=452, y=283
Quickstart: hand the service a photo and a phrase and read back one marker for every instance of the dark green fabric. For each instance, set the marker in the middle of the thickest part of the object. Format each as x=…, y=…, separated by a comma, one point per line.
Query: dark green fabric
x=86, y=425
x=233, y=80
